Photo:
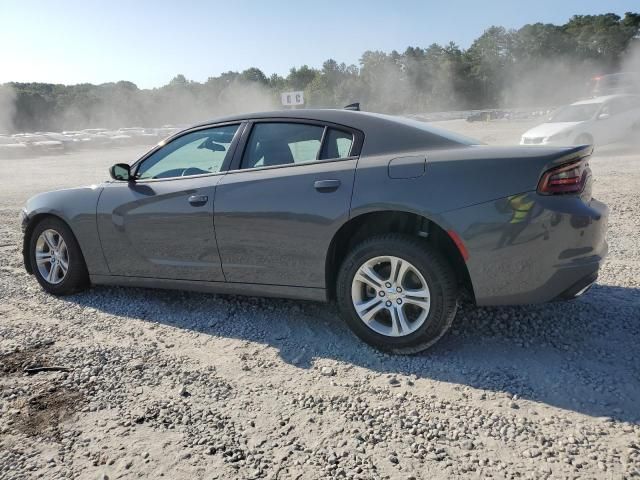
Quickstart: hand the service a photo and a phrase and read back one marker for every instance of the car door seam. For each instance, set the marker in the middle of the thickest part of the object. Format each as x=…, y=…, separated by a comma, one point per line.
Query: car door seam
x=213, y=221
x=104, y=257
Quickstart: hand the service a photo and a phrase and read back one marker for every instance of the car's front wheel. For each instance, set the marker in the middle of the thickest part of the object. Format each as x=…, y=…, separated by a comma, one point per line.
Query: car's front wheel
x=397, y=293
x=56, y=258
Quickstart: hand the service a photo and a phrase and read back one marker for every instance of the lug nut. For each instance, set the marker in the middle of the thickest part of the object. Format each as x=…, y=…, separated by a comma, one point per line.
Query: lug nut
x=388, y=304
x=399, y=301
x=388, y=285
x=399, y=289
x=381, y=293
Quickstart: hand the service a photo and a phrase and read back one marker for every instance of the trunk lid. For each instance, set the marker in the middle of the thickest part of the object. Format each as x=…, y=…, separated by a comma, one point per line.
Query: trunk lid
x=483, y=173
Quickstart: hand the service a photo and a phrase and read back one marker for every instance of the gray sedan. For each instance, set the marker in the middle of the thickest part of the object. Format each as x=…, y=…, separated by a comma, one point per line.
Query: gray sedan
x=392, y=219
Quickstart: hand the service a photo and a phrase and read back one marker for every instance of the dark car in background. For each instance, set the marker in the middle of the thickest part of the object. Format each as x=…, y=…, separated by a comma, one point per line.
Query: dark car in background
x=615, y=83
x=389, y=217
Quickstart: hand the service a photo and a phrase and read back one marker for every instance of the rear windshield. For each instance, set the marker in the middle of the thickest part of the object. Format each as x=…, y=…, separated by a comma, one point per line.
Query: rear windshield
x=427, y=127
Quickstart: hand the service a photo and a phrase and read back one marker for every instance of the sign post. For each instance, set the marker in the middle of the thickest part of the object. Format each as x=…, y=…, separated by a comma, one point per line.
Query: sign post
x=292, y=99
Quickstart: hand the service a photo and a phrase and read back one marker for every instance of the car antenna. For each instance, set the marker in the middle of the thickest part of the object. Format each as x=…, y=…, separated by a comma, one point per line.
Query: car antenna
x=353, y=106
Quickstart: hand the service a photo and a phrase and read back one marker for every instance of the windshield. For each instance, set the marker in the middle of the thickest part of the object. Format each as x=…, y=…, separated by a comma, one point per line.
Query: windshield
x=575, y=113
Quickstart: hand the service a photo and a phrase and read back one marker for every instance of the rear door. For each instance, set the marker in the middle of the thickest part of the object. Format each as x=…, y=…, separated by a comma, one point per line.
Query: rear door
x=286, y=195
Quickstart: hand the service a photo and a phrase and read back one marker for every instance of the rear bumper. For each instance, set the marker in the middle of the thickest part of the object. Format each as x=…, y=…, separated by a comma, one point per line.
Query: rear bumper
x=533, y=249
x=578, y=288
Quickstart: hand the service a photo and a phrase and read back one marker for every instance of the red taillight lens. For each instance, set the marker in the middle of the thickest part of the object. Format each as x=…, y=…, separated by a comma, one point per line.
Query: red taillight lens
x=568, y=178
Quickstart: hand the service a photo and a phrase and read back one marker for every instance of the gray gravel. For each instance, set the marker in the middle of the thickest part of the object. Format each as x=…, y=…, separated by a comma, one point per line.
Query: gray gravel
x=186, y=385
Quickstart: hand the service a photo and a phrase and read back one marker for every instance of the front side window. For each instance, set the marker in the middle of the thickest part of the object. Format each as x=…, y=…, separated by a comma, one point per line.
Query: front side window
x=196, y=153
x=621, y=105
x=575, y=113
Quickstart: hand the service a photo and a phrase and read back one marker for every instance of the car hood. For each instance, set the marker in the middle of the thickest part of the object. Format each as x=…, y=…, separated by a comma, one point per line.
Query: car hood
x=549, y=129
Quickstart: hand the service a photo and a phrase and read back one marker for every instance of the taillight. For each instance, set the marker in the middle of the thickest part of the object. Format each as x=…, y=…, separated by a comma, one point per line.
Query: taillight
x=568, y=178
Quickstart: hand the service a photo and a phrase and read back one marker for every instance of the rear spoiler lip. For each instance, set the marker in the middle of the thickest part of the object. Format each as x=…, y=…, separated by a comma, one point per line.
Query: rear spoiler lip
x=569, y=154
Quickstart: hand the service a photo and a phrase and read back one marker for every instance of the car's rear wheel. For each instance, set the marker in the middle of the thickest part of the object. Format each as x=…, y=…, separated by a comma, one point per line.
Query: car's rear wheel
x=56, y=259
x=397, y=293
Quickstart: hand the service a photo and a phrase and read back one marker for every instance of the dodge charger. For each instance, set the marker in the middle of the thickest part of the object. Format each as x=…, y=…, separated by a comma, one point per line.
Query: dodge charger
x=392, y=219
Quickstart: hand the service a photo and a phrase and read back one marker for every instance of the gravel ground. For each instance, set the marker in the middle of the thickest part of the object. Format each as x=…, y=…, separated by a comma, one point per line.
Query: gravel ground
x=186, y=385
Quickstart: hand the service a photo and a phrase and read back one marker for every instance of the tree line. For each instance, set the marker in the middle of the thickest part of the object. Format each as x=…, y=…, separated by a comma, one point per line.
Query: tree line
x=536, y=65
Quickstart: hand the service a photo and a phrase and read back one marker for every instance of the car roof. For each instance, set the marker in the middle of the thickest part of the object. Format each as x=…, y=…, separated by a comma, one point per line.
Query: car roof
x=603, y=99
x=385, y=133
x=350, y=118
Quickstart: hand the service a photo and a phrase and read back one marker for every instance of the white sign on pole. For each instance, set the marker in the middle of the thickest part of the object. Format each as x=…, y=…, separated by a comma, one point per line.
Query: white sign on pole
x=292, y=98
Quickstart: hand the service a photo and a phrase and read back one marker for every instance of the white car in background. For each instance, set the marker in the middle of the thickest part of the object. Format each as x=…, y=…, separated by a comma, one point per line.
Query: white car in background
x=599, y=120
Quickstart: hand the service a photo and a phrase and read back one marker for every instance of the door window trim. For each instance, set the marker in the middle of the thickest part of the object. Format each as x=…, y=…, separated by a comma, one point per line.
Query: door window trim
x=354, y=152
x=225, y=164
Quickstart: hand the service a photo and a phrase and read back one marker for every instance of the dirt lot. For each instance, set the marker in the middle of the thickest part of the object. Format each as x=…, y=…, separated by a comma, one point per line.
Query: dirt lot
x=185, y=385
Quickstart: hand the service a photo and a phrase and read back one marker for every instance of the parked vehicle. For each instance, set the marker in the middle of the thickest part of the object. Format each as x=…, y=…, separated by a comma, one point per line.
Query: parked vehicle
x=40, y=143
x=389, y=217
x=598, y=121
x=95, y=131
x=615, y=83
x=11, y=148
x=118, y=138
x=68, y=142
x=139, y=135
x=486, y=115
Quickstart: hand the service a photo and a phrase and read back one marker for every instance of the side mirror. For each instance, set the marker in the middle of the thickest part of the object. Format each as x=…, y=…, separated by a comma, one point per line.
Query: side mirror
x=603, y=116
x=120, y=171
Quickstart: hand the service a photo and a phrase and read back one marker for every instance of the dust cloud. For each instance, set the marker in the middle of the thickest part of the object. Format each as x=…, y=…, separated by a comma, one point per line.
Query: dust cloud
x=7, y=108
x=554, y=83
x=122, y=104
x=440, y=88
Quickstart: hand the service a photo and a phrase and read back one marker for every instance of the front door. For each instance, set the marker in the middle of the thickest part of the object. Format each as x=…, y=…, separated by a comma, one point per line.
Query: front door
x=161, y=224
x=278, y=209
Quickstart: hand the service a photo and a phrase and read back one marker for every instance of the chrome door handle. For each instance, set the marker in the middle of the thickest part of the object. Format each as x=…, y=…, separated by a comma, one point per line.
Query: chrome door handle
x=198, y=200
x=326, y=185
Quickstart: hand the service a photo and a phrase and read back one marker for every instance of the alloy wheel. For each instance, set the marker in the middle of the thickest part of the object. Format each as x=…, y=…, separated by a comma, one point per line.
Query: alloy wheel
x=52, y=256
x=390, y=296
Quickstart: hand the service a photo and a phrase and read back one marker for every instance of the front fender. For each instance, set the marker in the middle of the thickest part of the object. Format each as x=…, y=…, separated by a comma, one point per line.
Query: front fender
x=77, y=208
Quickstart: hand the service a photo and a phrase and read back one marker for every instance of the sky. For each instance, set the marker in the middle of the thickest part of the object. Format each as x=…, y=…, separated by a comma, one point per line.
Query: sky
x=148, y=42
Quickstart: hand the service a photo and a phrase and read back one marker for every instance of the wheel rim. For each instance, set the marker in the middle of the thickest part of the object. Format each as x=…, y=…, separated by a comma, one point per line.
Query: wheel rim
x=390, y=296
x=52, y=256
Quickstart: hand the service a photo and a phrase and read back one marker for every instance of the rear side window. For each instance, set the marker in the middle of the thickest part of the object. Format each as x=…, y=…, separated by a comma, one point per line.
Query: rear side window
x=280, y=143
x=337, y=144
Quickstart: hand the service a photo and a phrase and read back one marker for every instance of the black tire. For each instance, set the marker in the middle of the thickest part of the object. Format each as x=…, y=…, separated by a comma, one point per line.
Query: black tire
x=583, y=139
x=76, y=278
x=438, y=274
